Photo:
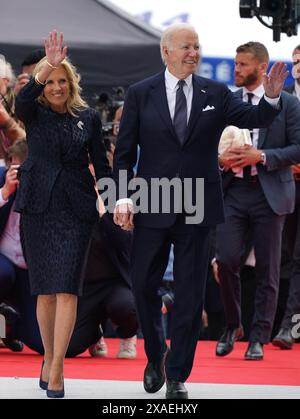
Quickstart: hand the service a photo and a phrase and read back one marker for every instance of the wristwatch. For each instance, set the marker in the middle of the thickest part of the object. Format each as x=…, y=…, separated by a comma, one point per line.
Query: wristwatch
x=263, y=158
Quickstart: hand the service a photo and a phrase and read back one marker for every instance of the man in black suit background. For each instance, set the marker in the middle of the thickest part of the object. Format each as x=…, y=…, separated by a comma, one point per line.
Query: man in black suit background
x=284, y=339
x=257, y=200
x=177, y=119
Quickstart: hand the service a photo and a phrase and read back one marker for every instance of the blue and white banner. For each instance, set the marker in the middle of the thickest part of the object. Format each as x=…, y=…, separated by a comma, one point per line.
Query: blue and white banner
x=222, y=70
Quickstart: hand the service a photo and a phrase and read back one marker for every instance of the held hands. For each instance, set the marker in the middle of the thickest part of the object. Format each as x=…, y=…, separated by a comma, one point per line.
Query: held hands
x=227, y=159
x=274, y=81
x=123, y=216
x=246, y=156
x=240, y=157
x=11, y=182
x=54, y=50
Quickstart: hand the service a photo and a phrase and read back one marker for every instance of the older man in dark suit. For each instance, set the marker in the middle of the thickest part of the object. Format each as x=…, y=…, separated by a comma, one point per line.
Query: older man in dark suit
x=257, y=200
x=177, y=119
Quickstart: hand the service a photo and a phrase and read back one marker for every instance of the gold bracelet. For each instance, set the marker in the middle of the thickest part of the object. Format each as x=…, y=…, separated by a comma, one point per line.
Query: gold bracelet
x=38, y=81
x=50, y=65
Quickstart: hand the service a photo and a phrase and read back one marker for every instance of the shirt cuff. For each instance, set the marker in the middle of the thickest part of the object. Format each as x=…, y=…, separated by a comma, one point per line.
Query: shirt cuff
x=272, y=101
x=221, y=168
x=2, y=200
x=124, y=201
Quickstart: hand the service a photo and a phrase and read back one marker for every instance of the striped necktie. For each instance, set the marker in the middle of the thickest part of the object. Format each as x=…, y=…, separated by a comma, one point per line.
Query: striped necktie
x=180, y=116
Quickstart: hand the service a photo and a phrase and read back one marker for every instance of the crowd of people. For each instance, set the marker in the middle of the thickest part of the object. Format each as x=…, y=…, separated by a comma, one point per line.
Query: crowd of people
x=68, y=267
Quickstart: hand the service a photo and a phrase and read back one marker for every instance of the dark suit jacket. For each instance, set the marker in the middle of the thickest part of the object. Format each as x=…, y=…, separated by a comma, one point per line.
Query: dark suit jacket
x=281, y=143
x=46, y=162
x=117, y=247
x=146, y=122
x=5, y=210
x=290, y=89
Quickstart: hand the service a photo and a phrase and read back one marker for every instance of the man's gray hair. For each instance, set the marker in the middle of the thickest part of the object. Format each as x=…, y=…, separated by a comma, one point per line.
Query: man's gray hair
x=167, y=36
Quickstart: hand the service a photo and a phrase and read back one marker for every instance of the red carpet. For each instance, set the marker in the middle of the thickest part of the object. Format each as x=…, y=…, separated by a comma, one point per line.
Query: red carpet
x=278, y=368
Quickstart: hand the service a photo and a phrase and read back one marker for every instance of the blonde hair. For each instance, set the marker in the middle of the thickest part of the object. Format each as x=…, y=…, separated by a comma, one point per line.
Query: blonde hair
x=75, y=103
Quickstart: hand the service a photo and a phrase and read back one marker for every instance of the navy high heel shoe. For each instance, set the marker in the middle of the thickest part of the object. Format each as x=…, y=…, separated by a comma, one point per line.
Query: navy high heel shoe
x=43, y=384
x=56, y=394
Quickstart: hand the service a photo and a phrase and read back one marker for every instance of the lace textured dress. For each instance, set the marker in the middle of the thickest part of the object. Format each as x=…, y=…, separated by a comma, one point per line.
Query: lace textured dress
x=57, y=197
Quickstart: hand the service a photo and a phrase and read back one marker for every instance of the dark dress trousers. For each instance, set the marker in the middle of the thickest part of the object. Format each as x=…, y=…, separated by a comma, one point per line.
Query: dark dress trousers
x=260, y=208
x=146, y=122
x=292, y=235
x=56, y=196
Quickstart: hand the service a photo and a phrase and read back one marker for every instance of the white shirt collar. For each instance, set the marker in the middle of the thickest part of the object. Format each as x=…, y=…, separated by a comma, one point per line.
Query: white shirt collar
x=258, y=92
x=172, y=81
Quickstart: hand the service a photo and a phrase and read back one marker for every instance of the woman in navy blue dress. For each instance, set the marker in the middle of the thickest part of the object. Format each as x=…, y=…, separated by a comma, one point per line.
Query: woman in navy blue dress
x=57, y=198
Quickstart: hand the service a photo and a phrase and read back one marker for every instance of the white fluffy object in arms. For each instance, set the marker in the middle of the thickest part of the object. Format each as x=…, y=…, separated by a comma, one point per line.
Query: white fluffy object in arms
x=234, y=137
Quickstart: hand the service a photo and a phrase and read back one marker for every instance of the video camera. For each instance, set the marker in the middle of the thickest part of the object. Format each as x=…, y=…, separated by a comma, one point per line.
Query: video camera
x=285, y=15
x=107, y=104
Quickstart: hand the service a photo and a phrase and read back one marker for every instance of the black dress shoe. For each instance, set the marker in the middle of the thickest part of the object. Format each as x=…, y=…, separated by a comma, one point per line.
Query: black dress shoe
x=154, y=375
x=176, y=390
x=255, y=352
x=226, y=343
x=43, y=384
x=11, y=317
x=10, y=314
x=284, y=339
x=56, y=394
x=14, y=345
